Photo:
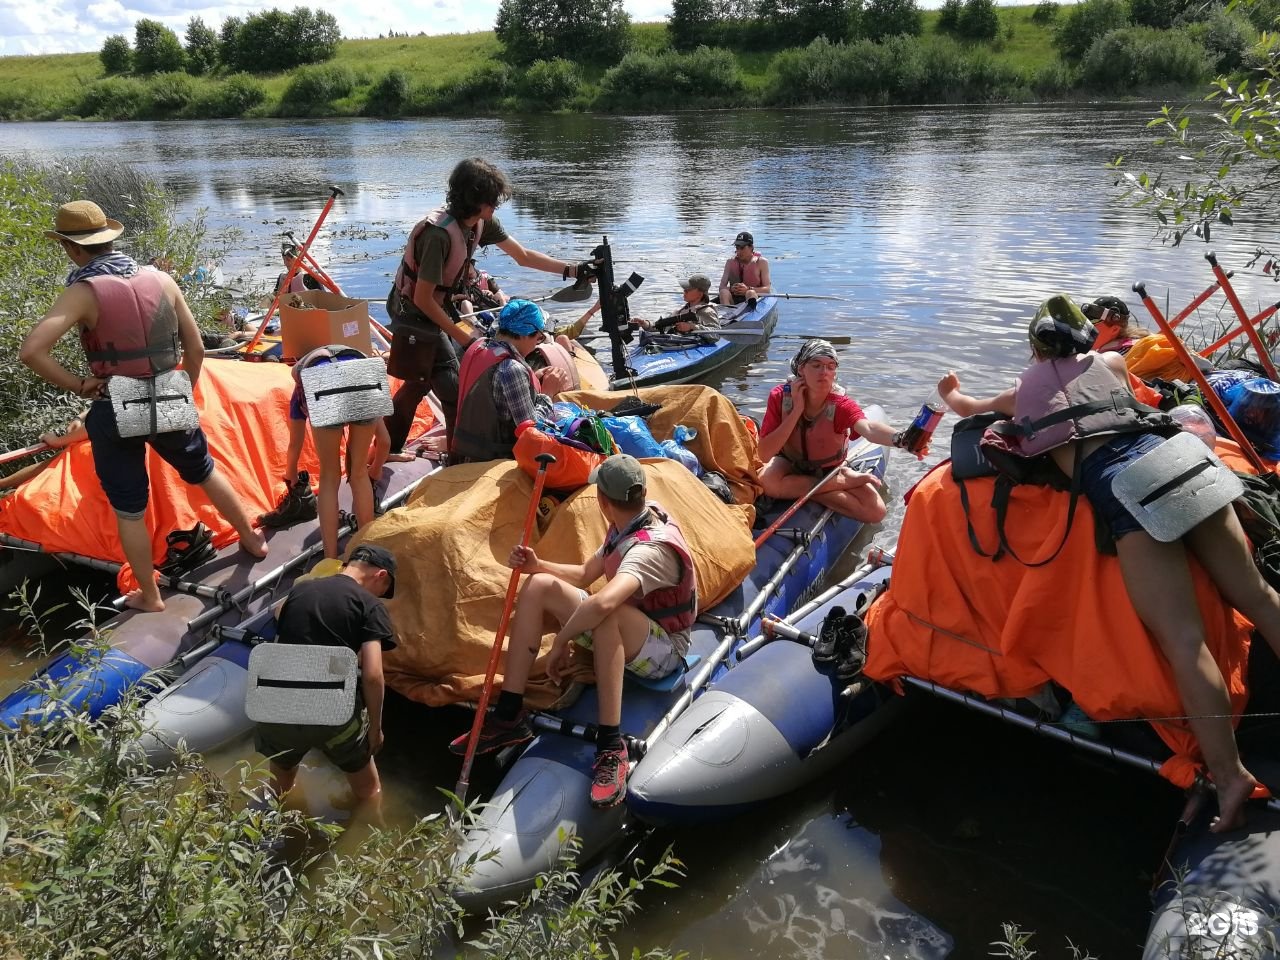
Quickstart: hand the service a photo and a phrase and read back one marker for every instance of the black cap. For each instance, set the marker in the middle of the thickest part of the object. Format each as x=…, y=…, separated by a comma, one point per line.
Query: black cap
x=744, y=239
x=379, y=557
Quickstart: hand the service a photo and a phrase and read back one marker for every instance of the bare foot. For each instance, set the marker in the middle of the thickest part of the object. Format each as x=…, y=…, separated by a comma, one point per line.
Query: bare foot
x=1231, y=800
x=401, y=457
x=255, y=544
x=140, y=601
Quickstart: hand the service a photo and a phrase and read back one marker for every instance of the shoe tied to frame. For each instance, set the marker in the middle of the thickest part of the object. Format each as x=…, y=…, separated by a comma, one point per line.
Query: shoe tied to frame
x=609, y=777
x=298, y=505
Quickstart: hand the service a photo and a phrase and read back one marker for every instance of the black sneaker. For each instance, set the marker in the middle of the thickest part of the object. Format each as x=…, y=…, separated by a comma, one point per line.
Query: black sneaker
x=496, y=734
x=298, y=505
x=851, y=650
x=828, y=642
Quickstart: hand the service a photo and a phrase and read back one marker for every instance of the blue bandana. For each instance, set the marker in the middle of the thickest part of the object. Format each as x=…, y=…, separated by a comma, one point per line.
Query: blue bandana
x=522, y=318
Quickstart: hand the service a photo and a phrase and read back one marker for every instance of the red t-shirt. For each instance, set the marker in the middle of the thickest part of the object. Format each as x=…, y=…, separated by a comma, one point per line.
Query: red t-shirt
x=848, y=413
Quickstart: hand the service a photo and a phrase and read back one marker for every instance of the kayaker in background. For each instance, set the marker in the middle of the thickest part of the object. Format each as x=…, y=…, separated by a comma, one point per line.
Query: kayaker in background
x=344, y=610
x=746, y=273
x=1117, y=331
x=423, y=316
x=480, y=292
x=302, y=280
x=805, y=435
x=696, y=315
x=498, y=388
x=639, y=621
x=133, y=322
x=1097, y=446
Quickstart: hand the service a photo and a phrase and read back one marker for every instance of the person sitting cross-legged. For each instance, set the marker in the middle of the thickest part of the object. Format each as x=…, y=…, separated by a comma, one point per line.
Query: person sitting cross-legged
x=639, y=621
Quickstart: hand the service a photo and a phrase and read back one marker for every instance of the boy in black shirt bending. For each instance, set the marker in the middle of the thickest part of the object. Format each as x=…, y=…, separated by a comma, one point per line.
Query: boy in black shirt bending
x=343, y=610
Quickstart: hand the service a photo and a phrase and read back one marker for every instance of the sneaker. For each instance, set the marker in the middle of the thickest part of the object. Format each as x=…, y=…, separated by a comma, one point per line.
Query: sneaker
x=829, y=634
x=496, y=734
x=609, y=777
x=298, y=505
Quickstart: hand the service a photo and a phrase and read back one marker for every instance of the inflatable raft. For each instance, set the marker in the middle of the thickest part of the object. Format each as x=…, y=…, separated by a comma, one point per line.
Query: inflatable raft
x=744, y=328
x=543, y=797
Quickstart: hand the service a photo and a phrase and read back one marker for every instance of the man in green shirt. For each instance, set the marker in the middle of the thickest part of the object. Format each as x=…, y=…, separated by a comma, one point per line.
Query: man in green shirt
x=427, y=338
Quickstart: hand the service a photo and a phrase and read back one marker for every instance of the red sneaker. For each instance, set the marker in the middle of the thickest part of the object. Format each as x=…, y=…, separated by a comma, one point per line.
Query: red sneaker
x=609, y=777
x=496, y=734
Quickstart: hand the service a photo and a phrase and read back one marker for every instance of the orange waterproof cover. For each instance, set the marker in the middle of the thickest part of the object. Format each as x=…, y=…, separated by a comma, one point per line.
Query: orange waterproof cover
x=1003, y=629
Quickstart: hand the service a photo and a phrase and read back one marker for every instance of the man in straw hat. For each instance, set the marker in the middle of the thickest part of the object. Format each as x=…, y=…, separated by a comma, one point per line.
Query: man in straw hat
x=132, y=322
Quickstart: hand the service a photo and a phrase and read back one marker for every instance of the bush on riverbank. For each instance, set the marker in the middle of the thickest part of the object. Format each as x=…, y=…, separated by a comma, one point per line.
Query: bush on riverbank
x=402, y=76
x=1144, y=57
x=102, y=856
x=34, y=269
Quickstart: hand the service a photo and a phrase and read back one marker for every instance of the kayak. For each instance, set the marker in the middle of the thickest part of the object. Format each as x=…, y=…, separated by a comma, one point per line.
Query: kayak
x=746, y=328
x=143, y=642
x=770, y=724
x=544, y=797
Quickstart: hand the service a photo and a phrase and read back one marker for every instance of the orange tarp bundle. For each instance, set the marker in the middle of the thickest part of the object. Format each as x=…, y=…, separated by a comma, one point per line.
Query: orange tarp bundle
x=244, y=410
x=1004, y=630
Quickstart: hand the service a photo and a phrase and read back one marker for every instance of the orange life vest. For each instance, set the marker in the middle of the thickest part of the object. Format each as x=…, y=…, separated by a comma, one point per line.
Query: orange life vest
x=461, y=246
x=673, y=608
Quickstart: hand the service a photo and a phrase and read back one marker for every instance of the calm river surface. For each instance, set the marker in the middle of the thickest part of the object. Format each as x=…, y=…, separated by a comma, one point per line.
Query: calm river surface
x=944, y=228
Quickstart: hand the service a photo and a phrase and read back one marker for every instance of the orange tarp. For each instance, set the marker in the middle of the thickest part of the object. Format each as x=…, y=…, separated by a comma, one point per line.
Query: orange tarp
x=1004, y=630
x=244, y=409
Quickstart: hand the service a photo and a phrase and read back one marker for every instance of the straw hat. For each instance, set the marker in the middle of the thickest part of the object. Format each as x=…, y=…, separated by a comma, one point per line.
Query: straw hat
x=84, y=223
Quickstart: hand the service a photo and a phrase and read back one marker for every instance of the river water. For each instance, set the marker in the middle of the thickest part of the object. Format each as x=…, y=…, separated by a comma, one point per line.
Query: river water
x=941, y=228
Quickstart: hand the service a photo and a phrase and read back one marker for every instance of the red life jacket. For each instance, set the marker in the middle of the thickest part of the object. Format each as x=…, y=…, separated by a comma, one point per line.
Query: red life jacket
x=555, y=355
x=672, y=608
x=815, y=446
x=1065, y=399
x=482, y=431
x=751, y=273
x=137, y=330
x=461, y=246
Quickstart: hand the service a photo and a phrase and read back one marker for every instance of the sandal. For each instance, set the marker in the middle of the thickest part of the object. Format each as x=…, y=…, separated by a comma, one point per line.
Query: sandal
x=187, y=549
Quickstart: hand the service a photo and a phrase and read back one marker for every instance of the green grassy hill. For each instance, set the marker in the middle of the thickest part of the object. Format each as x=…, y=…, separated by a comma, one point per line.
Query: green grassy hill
x=403, y=76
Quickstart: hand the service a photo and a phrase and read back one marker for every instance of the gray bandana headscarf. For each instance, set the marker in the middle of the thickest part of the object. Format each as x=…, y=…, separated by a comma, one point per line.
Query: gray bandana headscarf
x=109, y=264
x=811, y=350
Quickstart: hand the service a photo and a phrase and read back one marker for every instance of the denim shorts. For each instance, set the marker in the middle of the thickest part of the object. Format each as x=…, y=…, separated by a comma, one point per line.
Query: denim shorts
x=298, y=399
x=121, y=462
x=1101, y=467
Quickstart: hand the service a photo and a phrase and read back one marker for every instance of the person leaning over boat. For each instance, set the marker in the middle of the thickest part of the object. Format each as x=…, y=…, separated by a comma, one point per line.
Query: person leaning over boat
x=1117, y=331
x=805, y=435
x=1094, y=446
x=133, y=322
x=433, y=266
x=696, y=315
x=344, y=610
x=746, y=273
x=639, y=621
x=498, y=388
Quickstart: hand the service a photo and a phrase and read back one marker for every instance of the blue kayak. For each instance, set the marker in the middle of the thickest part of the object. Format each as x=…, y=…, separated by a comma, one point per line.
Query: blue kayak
x=544, y=796
x=742, y=328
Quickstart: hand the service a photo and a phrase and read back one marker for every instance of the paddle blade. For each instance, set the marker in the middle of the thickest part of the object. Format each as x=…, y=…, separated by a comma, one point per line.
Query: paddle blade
x=574, y=294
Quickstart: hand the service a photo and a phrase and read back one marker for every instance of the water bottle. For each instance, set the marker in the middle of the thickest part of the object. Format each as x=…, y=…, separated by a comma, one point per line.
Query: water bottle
x=917, y=436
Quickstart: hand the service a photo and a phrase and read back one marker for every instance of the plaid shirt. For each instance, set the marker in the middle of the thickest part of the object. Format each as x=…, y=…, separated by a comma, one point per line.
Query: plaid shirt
x=513, y=394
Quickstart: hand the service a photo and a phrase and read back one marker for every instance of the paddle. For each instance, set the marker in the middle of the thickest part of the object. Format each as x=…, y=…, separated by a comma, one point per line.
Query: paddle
x=746, y=334
x=790, y=511
x=473, y=738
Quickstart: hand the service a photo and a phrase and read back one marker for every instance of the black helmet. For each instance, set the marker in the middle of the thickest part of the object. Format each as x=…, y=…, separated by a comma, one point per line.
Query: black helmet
x=1106, y=309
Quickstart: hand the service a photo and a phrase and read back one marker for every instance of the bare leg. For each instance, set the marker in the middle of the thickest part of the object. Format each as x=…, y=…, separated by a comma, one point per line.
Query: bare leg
x=541, y=594
x=365, y=783
x=282, y=778
x=328, y=442
x=228, y=504
x=381, y=449
x=861, y=502
x=135, y=540
x=359, y=440
x=614, y=643
x=1219, y=544
x=1159, y=584
x=297, y=436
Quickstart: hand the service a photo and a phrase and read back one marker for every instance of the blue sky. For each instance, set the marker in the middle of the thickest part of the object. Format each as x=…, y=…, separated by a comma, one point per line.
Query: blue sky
x=65, y=26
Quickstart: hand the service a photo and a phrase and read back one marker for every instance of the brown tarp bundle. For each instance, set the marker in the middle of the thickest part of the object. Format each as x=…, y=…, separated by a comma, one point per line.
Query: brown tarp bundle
x=451, y=543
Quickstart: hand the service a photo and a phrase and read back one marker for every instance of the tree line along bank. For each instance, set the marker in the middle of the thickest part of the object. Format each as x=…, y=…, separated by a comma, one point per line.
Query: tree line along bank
x=712, y=53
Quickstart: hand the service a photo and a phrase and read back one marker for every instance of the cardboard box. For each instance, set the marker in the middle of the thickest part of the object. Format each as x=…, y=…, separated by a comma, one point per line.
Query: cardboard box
x=327, y=318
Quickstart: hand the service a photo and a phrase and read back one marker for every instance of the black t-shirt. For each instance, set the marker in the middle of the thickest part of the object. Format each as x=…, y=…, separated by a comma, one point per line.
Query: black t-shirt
x=334, y=612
